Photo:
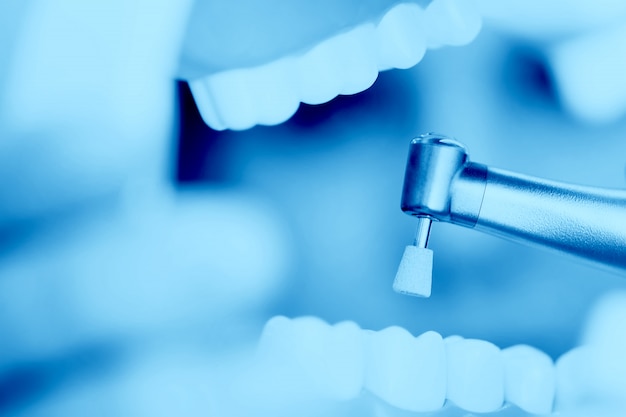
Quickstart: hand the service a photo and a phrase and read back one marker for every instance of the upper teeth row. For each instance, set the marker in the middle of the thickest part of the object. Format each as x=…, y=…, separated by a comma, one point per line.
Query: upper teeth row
x=306, y=355
x=347, y=63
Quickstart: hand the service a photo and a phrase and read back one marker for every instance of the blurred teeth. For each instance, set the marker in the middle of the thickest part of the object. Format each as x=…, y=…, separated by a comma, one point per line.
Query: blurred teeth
x=318, y=82
x=347, y=63
x=340, y=65
x=404, y=371
x=240, y=99
x=451, y=22
x=400, y=37
x=475, y=375
x=273, y=92
x=530, y=379
x=309, y=358
x=572, y=379
x=605, y=335
x=231, y=102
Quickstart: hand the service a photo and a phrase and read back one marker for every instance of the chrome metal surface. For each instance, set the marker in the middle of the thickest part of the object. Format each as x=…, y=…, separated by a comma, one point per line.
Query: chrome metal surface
x=586, y=222
x=423, y=232
x=433, y=162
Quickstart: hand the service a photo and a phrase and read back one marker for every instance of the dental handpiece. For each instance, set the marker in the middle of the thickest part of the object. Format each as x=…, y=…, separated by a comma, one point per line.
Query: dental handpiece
x=442, y=184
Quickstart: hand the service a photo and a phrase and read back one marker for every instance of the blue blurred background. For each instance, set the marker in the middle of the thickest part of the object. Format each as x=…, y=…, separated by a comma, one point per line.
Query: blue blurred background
x=137, y=241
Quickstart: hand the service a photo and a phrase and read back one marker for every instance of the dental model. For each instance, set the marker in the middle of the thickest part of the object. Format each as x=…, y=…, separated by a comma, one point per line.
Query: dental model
x=346, y=63
x=428, y=373
x=442, y=184
x=418, y=374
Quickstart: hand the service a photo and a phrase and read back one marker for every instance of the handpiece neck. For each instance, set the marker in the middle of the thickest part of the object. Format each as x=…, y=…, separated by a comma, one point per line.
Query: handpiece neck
x=586, y=222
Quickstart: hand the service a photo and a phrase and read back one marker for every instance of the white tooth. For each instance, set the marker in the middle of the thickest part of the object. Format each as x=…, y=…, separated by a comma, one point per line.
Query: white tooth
x=310, y=358
x=572, y=382
x=233, y=101
x=272, y=91
x=606, y=335
x=204, y=101
x=317, y=82
x=243, y=98
x=355, y=60
x=400, y=37
x=452, y=338
x=529, y=379
x=475, y=375
x=346, y=367
x=342, y=64
x=271, y=340
x=406, y=372
x=451, y=22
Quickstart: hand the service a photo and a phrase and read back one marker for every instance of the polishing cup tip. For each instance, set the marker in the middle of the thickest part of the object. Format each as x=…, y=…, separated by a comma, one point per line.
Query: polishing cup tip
x=414, y=276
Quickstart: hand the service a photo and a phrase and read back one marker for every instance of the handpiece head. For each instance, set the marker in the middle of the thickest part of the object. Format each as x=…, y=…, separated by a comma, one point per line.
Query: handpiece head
x=433, y=162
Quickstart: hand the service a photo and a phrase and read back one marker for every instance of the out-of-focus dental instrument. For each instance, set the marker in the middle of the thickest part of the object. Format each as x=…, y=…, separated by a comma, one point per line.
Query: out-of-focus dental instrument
x=441, y=183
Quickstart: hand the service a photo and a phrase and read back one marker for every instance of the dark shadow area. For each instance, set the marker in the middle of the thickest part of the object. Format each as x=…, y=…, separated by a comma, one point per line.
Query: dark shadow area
x=387, y=102
x=209, y=157
x=525, y=76
x=204, y=154
x=26, y=383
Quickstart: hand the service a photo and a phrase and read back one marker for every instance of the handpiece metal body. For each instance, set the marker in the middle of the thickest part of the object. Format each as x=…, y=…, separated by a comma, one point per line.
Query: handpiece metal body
x=441, y=183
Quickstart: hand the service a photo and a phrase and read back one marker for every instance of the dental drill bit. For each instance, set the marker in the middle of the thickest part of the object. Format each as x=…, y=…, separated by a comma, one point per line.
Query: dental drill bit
x=415, y=273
